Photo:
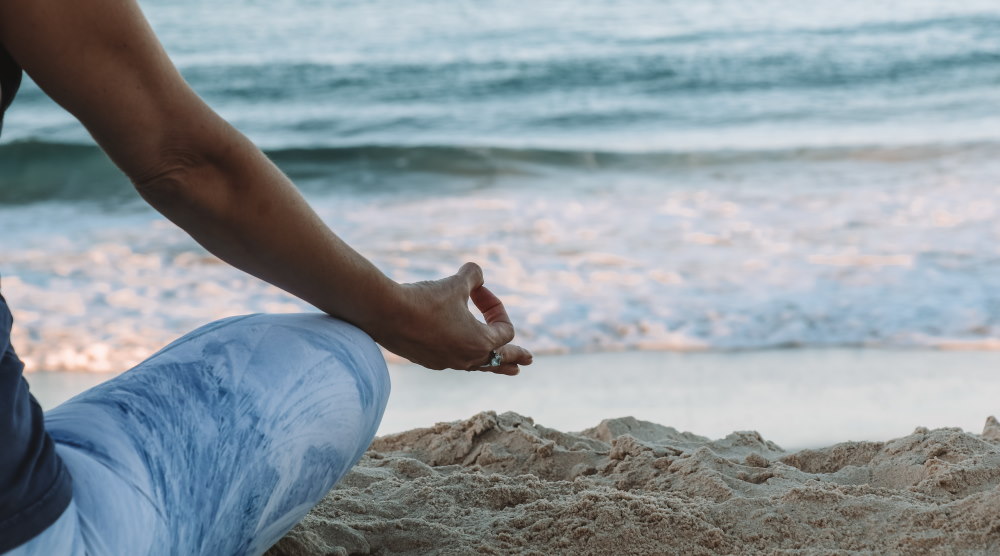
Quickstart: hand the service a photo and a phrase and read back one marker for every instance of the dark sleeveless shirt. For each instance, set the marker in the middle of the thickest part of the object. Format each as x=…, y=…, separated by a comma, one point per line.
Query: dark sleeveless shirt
x=35, y=486
x=10, y=80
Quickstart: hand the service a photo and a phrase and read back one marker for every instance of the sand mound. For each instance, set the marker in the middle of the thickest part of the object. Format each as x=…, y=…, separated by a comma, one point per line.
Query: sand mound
x=500, y=484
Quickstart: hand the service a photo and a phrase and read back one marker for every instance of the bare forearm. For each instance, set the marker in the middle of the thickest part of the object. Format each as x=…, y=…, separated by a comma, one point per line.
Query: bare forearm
x=242, y=208
x=101, y=61
x=231, y=199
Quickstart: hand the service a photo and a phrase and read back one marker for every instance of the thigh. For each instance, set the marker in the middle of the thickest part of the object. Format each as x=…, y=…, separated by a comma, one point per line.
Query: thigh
x=230, y=434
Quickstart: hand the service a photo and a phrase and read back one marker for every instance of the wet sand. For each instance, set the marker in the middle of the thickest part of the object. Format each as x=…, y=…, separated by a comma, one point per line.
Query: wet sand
x=798, y=398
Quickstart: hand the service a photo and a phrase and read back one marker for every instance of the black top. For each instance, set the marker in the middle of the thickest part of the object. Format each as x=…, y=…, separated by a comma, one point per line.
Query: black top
x=35, y=487
x=10, y=80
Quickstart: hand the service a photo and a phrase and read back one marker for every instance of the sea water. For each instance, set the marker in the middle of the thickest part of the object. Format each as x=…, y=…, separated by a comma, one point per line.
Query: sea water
x=633, y=175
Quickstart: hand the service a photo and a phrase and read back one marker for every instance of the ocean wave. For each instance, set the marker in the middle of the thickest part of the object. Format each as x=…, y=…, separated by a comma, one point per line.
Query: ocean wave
x=37, y=171
x=952, y=52
x=728, y=79
x=884, y=249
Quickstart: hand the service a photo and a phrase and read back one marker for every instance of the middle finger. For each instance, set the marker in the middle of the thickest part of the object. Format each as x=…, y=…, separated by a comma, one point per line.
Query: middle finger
x=511, y=356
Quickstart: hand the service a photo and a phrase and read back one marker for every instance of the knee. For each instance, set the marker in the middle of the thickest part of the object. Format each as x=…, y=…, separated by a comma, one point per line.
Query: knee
x=326, y=349
x=282, y=352
x=332, y=378
x=314, y=351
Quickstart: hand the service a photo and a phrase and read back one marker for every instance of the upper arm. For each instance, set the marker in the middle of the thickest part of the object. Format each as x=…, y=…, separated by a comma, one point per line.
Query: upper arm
x=100, y=60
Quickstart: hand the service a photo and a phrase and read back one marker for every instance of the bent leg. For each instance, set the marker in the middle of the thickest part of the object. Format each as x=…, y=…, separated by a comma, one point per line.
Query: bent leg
x=226, y=437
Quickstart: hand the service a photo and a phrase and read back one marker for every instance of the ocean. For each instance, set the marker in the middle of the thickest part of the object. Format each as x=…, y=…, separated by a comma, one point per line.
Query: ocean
x=717, y=175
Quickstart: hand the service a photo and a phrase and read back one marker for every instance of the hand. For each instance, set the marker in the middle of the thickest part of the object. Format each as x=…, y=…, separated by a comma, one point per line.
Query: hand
x=430, y=324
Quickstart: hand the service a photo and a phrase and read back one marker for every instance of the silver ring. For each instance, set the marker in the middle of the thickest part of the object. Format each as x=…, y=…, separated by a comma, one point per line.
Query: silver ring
x=495, y=359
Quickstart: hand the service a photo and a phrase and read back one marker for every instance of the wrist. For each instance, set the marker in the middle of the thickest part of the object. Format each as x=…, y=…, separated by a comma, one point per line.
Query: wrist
x=381, y=312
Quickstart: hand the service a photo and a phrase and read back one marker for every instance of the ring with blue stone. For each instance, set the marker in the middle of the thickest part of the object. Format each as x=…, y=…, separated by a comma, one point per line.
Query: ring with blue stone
x=495, y=360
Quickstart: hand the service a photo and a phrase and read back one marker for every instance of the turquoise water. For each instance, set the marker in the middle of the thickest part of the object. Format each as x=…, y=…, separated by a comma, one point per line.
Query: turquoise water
x=637, y=75
x=643, y=175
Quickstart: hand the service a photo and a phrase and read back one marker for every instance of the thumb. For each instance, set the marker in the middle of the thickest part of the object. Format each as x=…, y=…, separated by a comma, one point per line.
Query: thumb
x=471, y=276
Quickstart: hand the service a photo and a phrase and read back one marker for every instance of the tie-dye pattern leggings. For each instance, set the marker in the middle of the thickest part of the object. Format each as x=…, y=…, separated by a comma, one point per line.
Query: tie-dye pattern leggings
x=219, y=443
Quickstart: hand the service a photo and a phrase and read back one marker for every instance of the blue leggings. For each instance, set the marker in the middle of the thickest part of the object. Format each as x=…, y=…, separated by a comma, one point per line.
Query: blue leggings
x=219, y=443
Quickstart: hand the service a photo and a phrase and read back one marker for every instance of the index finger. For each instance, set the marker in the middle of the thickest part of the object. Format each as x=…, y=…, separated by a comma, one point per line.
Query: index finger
x=495, y=314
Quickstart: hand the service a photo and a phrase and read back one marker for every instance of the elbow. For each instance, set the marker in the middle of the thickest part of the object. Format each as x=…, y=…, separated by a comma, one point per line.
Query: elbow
x=173, y=177
x=200, y=172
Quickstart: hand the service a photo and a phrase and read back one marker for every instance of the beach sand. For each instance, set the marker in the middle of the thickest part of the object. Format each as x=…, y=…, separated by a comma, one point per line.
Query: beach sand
x=502, y=484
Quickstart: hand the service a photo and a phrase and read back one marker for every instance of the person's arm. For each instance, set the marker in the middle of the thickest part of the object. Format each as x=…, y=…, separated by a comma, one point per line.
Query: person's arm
x=101, y=61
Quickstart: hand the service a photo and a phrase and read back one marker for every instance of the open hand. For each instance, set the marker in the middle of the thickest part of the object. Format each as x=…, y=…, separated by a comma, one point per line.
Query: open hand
x=431, y=325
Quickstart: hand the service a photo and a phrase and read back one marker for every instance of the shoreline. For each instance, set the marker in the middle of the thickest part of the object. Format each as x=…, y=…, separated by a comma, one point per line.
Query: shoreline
x=800, y=398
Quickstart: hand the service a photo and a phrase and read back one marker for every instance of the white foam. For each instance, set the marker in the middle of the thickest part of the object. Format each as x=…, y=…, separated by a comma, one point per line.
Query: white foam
x=863, y=253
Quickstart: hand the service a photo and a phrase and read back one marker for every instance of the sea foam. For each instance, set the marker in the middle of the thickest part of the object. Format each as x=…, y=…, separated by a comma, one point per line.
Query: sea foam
x=848, y=252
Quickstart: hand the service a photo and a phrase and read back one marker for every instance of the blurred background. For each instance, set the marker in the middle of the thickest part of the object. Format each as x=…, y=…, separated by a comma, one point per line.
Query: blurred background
x=716, y=215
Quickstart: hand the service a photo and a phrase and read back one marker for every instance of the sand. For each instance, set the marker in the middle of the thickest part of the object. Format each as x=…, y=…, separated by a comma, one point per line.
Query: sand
x=501, y=484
